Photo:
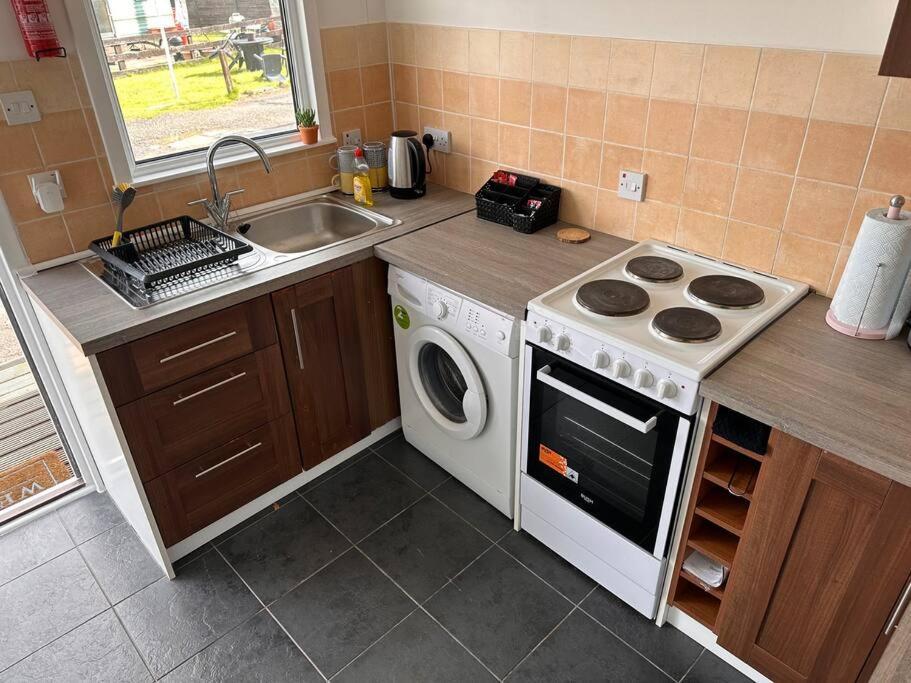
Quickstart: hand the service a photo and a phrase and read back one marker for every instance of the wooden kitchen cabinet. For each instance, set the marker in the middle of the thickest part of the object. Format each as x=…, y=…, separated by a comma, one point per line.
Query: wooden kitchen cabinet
x=897, y=55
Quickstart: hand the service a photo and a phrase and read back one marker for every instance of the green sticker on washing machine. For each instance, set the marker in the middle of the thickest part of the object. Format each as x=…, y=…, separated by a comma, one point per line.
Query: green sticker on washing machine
x=401, y=317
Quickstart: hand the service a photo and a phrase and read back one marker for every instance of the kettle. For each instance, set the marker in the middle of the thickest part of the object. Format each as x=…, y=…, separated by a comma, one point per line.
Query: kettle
x=407, y=166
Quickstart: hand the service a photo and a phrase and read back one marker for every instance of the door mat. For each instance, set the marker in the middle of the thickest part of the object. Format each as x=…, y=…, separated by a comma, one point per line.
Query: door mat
x=38, y=473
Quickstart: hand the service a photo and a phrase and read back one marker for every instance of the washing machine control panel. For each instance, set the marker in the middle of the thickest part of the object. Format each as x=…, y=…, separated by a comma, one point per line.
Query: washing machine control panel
x=465, y=316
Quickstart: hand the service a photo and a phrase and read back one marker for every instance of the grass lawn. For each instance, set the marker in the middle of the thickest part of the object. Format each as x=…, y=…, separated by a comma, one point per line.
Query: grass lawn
x=149, y=94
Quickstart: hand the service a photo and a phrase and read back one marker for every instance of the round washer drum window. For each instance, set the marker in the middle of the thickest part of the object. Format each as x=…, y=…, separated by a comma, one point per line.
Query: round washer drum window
x=443, y=382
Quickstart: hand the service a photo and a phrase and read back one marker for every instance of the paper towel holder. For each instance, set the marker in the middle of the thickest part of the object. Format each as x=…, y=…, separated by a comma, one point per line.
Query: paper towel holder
x=48, y=190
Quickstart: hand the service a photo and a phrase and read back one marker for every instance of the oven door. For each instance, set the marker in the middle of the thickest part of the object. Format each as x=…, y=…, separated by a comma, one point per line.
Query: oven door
x=612, y=452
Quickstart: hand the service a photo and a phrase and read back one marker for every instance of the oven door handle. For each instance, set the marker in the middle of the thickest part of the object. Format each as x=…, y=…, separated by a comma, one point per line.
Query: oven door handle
x=544, y=376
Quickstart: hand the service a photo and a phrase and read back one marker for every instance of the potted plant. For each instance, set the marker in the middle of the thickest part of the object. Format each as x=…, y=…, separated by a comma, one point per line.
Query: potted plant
x=307, y=125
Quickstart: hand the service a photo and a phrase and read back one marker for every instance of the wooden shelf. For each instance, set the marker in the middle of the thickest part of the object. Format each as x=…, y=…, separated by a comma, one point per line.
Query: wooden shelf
x=727, y=469
x=713, y=542
x=711, y=590
x=724, y=509
x=740, y=449
x=702, y=606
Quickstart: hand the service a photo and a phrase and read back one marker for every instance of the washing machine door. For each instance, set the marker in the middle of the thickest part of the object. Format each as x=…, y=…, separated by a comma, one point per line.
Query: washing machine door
x=447, y=383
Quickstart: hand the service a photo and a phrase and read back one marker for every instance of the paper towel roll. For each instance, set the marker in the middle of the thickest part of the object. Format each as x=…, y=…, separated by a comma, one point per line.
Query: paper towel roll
x=874, y=297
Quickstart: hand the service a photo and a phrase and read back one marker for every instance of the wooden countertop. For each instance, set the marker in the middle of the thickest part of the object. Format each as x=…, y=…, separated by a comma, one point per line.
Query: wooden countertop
x=494, y=264
x=96, y=319
x=849, y=396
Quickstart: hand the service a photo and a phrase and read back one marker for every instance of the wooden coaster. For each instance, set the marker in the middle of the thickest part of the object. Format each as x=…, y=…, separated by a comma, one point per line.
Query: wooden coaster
x=573, y=235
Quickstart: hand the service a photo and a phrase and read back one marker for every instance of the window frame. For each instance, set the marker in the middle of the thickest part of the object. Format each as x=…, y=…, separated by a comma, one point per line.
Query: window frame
x=302, y=37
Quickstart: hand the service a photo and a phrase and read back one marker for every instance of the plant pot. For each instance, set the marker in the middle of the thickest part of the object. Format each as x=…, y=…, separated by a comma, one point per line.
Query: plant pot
x=309, y=135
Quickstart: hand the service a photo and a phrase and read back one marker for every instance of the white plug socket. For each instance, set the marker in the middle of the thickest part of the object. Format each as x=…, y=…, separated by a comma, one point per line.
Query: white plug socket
x=19, y=107
x=631, y=185
x=442, y=139
x=352, y=137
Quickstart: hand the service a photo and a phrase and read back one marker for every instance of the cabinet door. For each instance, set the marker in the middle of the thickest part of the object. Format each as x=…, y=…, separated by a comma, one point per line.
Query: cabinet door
x=820, y=565
x=318, y=328
x=897, y=55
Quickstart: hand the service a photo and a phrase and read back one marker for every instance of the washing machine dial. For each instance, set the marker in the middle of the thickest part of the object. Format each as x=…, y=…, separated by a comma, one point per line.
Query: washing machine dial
x=440, y=310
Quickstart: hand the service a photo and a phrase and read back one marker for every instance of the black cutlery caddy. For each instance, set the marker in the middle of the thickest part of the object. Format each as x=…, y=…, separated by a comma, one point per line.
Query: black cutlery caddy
x=508, y=204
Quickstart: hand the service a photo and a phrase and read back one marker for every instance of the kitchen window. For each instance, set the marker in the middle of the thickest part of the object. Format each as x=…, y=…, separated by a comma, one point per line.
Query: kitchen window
x=169, y=77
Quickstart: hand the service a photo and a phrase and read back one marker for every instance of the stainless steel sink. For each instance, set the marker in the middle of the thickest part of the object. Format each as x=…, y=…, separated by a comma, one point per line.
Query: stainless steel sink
x=316, y=224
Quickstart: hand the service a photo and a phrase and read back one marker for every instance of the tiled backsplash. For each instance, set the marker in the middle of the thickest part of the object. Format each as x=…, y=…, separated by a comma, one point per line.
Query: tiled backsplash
x=767, y=157
x=67, y=139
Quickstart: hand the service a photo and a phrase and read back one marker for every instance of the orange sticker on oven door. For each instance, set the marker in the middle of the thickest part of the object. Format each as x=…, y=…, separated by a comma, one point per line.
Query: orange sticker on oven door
x=556, y=462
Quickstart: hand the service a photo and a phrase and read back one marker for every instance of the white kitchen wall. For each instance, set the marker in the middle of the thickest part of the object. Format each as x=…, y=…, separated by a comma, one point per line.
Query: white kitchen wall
x=842, y=25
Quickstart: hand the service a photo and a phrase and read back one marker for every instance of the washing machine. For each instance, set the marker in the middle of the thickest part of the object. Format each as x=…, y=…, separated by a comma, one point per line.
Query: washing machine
x=458, y=370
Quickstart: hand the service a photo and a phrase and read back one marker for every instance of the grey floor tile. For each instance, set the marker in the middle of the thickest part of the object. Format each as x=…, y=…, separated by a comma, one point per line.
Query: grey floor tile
x=45, y=603
x=171, y=621
x=120, y=562
x=424, y=547
x=364, y=496
x=466, y=503
x=548, y=565
x=338, y=469
x=342, y=610
x=28, y=546
x=581, y=650
x=192, y=556
x=417, y=466
x=498, y=610
x=386, y=439
x=253, y=519
x=283, y=549
x=712, y=669
x=99, y=650
x=416, y=650
x=89, y=516
x=666, y=647
x=257, y=650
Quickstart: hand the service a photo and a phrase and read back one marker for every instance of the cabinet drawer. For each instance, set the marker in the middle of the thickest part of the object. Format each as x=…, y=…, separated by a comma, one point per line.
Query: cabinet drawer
x=159, y=360
x=174, y=425
x=194, y=495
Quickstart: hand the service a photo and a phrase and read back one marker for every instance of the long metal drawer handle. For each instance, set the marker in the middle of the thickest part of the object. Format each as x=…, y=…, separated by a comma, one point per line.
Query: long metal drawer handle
x=227, y=460
x=208, y=389
x=544, y=376
x=297, y=338
x=167, y=359
x=892, y=624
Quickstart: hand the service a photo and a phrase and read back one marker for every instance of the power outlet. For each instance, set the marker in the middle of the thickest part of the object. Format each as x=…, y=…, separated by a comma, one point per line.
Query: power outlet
x=19, y=107
x=352, y=137
x=442, y=139
x=631, y=185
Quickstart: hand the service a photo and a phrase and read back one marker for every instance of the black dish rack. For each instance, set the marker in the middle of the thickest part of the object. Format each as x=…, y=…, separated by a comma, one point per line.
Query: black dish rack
x=168, y=249
x=506, y=204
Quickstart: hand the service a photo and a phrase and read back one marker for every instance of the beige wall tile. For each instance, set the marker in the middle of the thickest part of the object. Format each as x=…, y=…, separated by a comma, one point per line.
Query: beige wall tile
x=290, y=179
x=835, y=152
x=850, y=91
x=372, y=45
x=820, y=210
x=787, y=81
x=630, y=69
x=427, y=45
x=484, y=96
x=515, y=102
x=406, y=116
x=45, y=239
x=889, y=167
x=897, y=107
x=548, y=107
x=728, y=75
x=481, y=171
x=577, y=204
x=670, y=126
x=18, y=196
x=20, y=152
x=839, y=270
x=430, y=88
x=458, y=174
x=51, y=82
x=615, y=215
x=701, y=232
x=484, y=139
x=805, y=259
x=349, y=119
x=455, y=92
x=582, y=160
x=340, y=47
x=589, y=59
x=484, y=52
x=514, y=146
x=345, y=86
x=90, y=224
x=7, y=80
x=718, y=133
x=546, y=155
x=375, y=81
x=656, y=221
x=258, y=185
x=678, y=69
x=866, y=200
x=625, y=119
x=666, y=173
x=454, y=48
x=145, y=209
x=429, y=117
x=460, y=127
x=615, y=158
x=63, y=136
x=761, y=197
x=773, y=142
x=84, y=185
x=516, y=54
x=585, y=113
x=551, y=59
x=750, y=245
x=401, y=43
x=709, y=186
x=320, y=171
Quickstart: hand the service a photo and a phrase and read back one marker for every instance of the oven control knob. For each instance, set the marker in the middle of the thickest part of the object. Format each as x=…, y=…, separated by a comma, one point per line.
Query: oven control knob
x=600, y=360
x=439, y=309
x=561, y=342
x=666, y=389
x=544, y=335
x=643, y=379
x=621, y=369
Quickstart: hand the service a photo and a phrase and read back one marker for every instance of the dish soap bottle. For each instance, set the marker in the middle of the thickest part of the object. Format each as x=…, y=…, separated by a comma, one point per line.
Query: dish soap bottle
x=363, y=193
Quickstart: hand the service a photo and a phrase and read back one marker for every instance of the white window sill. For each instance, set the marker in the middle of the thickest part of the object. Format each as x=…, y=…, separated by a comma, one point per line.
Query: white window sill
x=180, y=167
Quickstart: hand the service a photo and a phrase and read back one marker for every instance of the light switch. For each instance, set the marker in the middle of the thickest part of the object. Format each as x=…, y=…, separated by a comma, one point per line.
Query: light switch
x=19, y=107
x=631, y=185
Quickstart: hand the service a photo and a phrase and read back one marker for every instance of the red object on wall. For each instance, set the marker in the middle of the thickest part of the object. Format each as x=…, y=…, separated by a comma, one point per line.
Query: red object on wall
x=37, y=30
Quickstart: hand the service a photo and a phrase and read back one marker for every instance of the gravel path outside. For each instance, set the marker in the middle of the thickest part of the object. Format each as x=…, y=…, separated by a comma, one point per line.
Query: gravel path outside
x=9, y=344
